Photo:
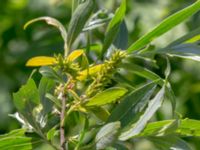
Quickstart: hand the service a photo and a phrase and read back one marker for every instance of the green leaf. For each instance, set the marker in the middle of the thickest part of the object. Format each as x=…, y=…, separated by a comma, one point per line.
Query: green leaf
x=121, y=40
x=186, y=38
x=113, y=26
x=53, y=22
x=186, y=127
x=171, y=142
x=15, y=140
x=136, y=128
x=165, y=26
x=186, y=51
x=141, y=71
x=107, y=135
x=100, y=113
x=46, y=86
x=180, y=145
x=171, y=96
x=100, y=18
x=108, y=96
x=131, y=106
x=50, y=73
x=52, y=133
x=27, y=95
x=79, y=18
x=26, y=100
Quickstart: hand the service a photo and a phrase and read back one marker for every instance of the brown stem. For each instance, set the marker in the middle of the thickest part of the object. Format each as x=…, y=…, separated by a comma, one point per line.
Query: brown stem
x=62, y=120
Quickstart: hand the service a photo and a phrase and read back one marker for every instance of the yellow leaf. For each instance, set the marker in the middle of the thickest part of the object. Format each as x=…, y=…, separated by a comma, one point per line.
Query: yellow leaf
x=41, y=61
x=75, y=54
x=92, y=71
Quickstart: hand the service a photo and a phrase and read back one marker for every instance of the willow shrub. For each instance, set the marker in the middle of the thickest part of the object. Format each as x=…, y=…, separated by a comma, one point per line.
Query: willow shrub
x=86, y=98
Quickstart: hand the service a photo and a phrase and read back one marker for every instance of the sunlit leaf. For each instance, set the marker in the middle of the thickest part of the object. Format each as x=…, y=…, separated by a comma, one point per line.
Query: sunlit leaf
x=165, y=26
x=91, y=71
x=75, y=54
x=15, y=139
x=108, y=96
x=41, y=61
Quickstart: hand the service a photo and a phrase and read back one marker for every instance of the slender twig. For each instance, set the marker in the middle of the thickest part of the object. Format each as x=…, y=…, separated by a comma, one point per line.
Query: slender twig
x=62, y=121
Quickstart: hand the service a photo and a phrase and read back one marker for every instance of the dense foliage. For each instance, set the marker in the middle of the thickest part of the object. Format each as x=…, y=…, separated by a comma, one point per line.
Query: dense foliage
x=100, y=93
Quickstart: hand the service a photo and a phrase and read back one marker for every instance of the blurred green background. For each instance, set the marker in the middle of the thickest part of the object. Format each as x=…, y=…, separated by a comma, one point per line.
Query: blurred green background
x=18, y=45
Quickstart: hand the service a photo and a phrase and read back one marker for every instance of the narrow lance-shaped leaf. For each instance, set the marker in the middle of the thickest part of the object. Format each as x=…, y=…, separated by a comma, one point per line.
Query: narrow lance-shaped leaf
x=187, y=51
x=79, y=18
x=53, y=22
x=188, y=38
x=165, y=26
x=46, y=86
x=171, y=142
x=41, y=61
x=107, y=96
x=132, y=105
x=75, y=54
x=113, y=26
x=186, y=127
x=121, y=40
x=136, y=128
x=141, y=71
x=107, y=135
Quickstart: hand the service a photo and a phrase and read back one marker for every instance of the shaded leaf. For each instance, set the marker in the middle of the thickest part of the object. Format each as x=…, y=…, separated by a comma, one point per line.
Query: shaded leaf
x=188, y=38
x=26, y=100
x=186, y=51
x=136, y=128
x=50, y=73
x=107, y=135
x=141, y=71
x=98, y=19
x=46, y=86
x=113, y=26
x=100, y=113
x=79, y=18
x=165, y=26
x=27, y=95
x=108, y=96
x=121, y=40
x=170, y=142
x=132, y=105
